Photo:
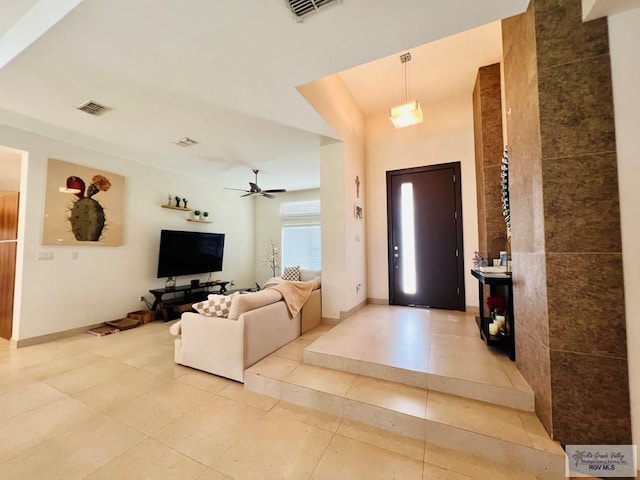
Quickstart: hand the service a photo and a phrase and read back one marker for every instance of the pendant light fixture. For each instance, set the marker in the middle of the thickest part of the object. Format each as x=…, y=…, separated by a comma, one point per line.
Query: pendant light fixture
x=409, y=113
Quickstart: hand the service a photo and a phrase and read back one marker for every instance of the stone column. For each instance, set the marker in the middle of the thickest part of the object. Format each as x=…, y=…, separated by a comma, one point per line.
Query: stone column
x=487, y=128
x=567, y=259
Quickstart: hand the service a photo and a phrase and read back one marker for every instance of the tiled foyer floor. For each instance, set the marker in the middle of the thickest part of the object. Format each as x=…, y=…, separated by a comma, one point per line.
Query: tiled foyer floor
x=117, y=407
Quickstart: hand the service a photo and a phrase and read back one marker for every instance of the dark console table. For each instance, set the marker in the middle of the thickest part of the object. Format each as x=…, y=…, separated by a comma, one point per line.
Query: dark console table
x=186, y=294
x=496, y=282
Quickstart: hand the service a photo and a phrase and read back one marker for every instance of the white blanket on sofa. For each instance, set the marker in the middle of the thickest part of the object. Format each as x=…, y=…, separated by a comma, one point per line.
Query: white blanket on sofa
x=294, y=294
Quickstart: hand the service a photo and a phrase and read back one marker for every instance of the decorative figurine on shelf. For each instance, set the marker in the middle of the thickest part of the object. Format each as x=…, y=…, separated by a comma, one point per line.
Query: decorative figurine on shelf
x=184, y=202
x=169, y=200
x=177, y=198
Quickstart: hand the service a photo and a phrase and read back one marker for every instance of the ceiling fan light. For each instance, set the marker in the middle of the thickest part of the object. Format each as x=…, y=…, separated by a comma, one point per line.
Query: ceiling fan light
x=406, y=114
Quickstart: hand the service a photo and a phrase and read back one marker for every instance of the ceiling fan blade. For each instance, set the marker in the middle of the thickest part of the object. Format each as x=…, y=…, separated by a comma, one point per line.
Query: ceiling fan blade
x=267, y=195
x=276, y=190
x=237, y=189
x=247, y=194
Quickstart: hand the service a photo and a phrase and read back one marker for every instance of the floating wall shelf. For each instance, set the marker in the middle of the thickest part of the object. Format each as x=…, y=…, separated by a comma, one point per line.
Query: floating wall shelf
x=176, y=208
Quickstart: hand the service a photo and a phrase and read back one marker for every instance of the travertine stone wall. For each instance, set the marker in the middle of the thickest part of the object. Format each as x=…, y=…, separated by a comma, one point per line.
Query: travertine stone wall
x=568, y=284
x=487, y=126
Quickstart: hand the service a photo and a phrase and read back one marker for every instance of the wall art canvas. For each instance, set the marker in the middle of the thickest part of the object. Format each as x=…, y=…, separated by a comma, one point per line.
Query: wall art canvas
x=83, y=206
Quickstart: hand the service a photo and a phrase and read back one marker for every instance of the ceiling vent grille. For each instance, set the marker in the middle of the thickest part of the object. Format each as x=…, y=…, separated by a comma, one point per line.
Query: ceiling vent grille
x=300, y=8
x=93, y=108
x=185, y=142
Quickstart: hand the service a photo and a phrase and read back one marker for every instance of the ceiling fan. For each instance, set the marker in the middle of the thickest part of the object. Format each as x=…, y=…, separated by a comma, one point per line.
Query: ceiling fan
x=256, y=190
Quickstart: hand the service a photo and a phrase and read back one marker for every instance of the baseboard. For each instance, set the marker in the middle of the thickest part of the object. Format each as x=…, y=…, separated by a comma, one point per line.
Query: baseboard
x=50, y=337
x=474, y=310
x=347, y=314
x=330, y=321
x=378, y=301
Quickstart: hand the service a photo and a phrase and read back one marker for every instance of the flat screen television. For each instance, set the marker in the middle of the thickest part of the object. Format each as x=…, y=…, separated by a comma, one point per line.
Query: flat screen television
x=188, y=253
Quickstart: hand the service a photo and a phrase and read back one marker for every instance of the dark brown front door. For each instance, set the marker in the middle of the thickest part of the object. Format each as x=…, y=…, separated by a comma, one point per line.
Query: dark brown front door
x=424, y=214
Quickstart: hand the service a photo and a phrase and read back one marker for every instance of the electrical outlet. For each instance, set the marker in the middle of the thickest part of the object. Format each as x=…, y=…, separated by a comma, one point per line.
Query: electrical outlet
x=45, y=256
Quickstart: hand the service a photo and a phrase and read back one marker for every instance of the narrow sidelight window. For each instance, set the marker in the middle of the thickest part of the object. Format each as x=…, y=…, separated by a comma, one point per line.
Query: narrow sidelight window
x=408, y=240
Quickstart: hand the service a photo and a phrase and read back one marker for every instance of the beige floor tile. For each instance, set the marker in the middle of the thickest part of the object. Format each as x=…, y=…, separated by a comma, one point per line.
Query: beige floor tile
x=341, y=345
x=147, y=354
x=204, y=380
x=150, y=460
x=309, y=416
x=460, y=326
x=389, y=395
x=124, y=390
x=273, y=367
x=409, y=331
x=88, y=376
x=431, y=472
x=62, y=365
x=276, y=447
x=161, y=406
x=209, y=430
x=394, y=442
x=355, y=460
x=493, y=420
x=74, y=454
x=29, y=429
x=330, y=381
x=538, y=435
x=167, y=368
x=236, y=392
x=211, y=474
x=448, y=363
x=399, y=355
x=26, y=396
x=293, y=350
x=317, y=332
x=470, y=465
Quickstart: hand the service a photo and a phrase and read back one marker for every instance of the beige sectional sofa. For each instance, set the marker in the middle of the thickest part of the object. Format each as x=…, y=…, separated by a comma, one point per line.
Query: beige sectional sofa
x=258, y=324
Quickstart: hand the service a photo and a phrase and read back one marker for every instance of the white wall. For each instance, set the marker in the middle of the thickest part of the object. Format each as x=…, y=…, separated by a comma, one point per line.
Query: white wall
x=344, y=263
x=624, y=43
x=105, y=283
x=445, y=136
x=269, y=224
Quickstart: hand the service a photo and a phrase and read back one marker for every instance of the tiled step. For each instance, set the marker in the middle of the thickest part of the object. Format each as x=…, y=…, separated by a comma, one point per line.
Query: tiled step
x=457, y=364
x=501, y=434
x=505, y=395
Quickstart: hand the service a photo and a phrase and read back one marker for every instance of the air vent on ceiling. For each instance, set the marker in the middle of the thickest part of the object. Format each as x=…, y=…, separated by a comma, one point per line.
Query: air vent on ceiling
x=93, y=108
x=185, y=142
x=300, y=8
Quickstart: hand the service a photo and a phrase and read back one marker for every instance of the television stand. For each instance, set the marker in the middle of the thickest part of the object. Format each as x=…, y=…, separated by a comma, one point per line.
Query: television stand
x=186, y=294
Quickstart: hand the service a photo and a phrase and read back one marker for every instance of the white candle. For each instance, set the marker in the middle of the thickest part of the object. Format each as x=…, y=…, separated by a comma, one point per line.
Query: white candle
x=493, y=328
x=500, y=320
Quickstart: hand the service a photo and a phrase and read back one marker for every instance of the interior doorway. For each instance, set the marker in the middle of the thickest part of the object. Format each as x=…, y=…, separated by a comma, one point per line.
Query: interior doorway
x=425, y=248
x=10, y=171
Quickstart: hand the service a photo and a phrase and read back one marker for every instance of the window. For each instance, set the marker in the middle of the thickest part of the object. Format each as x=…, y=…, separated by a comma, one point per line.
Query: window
x=301, y=234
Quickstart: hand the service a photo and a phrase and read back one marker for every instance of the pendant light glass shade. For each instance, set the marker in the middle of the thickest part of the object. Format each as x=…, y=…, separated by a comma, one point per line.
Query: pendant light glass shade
x=406, y=114
x=409, y=113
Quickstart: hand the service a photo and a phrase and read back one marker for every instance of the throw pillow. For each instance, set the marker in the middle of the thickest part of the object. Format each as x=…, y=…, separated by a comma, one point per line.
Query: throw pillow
x=291, y=274
x=215, y=306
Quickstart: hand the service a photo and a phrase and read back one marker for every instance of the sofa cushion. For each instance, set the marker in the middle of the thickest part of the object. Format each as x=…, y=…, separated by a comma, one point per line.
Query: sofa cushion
x=250, y=301
x=292, y=274
x=308, y=275
x=215, y=305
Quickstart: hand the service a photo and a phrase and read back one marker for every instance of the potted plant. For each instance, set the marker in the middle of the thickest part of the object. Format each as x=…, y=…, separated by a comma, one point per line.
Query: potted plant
x=205, y=215
x=196, y=214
